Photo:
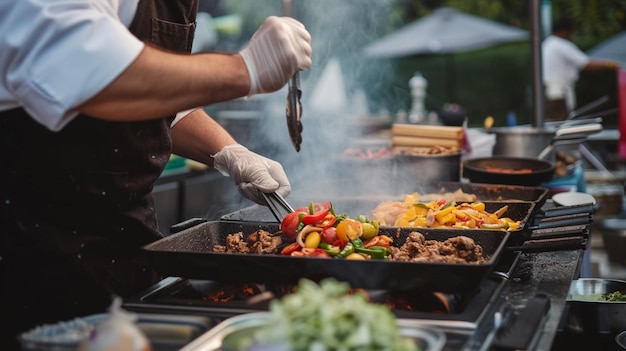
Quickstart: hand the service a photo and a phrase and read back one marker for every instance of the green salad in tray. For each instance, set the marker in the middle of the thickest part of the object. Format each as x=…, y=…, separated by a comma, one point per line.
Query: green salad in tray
x=617, y=296
x=328, y=317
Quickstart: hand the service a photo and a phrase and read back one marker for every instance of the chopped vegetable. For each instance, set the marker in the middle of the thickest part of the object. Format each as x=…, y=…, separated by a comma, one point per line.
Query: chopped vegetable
x=304, y=233
x=332, y=250
x=318, y=227
x=327, y=317
x=614, y=296
x=291, y=224
x=347, y=250
x=442, y=213
x=349, y=229
x=378, y=252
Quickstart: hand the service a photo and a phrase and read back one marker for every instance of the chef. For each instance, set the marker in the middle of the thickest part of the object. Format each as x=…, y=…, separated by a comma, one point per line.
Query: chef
x=562, y=61
x=90, y=111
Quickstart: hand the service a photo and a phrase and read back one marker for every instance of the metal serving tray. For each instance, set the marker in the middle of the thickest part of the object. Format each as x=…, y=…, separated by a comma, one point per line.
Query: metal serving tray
x=426, y=338
x=189, y=253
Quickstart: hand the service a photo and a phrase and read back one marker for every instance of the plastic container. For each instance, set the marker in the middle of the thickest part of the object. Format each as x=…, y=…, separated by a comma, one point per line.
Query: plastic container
x=165, y=332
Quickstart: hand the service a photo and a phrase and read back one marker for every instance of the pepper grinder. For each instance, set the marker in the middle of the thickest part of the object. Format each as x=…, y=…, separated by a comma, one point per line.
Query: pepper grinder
x=418, y=86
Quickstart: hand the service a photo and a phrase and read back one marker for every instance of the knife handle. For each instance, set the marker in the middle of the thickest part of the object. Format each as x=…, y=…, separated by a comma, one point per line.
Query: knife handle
x=192, y=222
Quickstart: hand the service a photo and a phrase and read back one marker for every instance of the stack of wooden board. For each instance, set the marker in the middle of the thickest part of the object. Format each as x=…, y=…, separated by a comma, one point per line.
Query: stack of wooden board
x=418, y=135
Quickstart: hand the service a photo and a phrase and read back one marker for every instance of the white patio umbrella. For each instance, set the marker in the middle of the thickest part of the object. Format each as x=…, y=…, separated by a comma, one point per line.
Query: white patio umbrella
x=446, y=30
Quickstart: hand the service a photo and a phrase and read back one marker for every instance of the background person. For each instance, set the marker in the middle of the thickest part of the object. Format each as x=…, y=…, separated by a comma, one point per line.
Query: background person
x=90, y=104
x=562, y=61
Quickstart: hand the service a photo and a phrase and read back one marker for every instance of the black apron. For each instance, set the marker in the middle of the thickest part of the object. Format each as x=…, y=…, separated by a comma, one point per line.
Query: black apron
x=76, y=205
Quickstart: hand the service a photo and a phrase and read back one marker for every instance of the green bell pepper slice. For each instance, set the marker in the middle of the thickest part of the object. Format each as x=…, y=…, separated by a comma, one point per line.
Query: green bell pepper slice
x=332, y=250
x=377, y=252
x=347, y=250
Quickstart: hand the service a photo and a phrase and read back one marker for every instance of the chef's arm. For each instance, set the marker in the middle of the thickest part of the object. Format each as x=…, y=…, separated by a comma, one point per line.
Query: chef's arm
x=601, y=65
x=159, y=84
x=197, y=136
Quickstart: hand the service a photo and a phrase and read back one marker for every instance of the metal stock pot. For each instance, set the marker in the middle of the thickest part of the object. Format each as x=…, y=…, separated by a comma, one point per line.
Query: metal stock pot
x=521, y=141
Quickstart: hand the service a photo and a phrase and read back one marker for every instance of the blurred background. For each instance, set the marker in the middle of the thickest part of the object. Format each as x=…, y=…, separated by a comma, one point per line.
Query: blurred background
x=486, y=81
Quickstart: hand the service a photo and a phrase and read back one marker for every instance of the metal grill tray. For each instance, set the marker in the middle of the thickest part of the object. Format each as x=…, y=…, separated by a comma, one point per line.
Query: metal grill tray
x=189, y=253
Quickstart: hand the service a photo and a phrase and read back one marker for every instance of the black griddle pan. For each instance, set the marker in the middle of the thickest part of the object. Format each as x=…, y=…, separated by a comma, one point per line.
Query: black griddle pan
x=189, y=254
x=520, y=211
x=390, y=189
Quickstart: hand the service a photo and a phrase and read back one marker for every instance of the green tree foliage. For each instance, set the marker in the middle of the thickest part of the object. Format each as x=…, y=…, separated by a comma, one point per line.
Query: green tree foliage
x=496, y=80
x=489, y=81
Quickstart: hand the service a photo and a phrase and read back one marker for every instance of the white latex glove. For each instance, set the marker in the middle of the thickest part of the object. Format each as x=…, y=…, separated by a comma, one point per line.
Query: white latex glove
x=252, y=172
x=278, y=49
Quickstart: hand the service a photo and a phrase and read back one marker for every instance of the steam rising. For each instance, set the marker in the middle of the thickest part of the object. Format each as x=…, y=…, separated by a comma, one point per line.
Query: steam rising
x=339, y=99
x=340, y=93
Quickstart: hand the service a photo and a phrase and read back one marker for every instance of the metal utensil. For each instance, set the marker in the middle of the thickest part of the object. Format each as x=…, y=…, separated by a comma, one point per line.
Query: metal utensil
x=588, y=107
x=294, y=111
x=277, y=204
x=569, y=136
x=294, y=105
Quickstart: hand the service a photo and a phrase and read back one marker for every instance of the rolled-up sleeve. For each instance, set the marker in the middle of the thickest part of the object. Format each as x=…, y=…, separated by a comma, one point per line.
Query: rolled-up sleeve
x=57, y=54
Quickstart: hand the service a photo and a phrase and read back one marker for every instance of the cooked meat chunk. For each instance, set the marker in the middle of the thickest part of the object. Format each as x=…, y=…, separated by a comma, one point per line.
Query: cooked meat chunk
x=259, y=242
x=466, y=249
x=235, y=243
x=263, y=242
x=459, y=249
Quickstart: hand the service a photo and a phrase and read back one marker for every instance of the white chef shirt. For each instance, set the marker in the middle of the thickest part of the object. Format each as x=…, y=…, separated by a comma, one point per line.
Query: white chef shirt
x=55, y=55
x=561, y=62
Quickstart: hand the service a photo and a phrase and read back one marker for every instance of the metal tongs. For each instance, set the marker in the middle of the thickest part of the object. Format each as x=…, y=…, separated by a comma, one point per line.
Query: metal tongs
x=277, y=204
x=294, y=111
x=294, y=105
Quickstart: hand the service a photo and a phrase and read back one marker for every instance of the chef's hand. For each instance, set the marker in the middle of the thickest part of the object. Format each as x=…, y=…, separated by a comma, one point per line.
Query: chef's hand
x=279, y=48
x=251, y=172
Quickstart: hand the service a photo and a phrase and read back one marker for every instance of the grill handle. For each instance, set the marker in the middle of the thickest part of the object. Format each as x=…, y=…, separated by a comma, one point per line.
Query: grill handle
x=521, y=330
x=192, y=222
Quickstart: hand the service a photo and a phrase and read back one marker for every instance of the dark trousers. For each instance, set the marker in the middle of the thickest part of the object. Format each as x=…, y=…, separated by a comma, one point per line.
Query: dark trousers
x=555, y=110
x=44, y=284
x=39, y=288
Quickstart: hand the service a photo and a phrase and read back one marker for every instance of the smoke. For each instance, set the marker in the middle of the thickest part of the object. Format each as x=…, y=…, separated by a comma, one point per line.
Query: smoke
x=342, y=95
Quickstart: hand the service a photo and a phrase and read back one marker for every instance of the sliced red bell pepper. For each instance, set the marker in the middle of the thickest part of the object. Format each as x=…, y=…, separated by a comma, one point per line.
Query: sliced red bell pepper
x=291, y=248
x=379, y=240
x=317, y=252
x=310, y=219
x=327, y=221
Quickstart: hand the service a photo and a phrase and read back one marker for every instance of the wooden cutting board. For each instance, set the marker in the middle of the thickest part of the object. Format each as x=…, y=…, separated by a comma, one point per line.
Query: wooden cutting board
x=425, y=142
x=427, y=131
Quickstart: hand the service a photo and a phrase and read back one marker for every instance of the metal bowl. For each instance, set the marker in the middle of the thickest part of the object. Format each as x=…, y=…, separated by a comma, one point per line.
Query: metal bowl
x=421, y=168
x=521, y=141
x=589, y=312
